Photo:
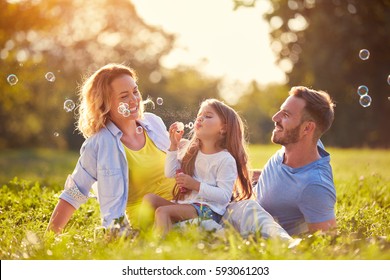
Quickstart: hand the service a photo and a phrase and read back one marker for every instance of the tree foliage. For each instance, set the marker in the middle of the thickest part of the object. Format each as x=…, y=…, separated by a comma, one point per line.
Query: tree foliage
x=257, y=106
x=71, y=39
x=318, y=42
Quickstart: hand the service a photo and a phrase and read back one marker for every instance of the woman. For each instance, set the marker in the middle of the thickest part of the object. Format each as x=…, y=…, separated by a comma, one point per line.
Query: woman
x=124, y=151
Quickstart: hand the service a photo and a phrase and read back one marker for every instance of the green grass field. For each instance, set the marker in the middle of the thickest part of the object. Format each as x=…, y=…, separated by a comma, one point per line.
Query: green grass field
x=31, y=181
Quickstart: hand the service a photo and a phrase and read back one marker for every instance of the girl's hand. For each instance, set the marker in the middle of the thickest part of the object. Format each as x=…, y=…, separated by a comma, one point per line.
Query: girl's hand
x=185, y=181
x=175, y=136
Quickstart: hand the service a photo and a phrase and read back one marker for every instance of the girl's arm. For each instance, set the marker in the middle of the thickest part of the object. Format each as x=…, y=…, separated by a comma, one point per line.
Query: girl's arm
x=172, y=163
x=60, y=217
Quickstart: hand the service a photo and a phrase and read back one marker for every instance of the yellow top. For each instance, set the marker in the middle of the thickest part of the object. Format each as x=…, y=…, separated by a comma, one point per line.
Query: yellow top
x=146, y=175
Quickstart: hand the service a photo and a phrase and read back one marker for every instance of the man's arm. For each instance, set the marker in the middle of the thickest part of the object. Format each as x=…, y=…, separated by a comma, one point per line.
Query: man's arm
x=317, y=206
x=323, y=226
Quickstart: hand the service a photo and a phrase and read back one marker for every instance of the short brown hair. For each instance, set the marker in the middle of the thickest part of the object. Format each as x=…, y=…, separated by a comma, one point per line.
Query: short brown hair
x=319, y=107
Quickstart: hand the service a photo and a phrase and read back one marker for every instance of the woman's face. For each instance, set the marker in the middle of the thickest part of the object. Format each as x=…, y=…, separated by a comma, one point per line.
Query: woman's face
x=125, y=90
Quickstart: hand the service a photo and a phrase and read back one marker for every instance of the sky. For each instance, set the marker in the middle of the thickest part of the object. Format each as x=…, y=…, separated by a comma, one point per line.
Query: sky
x=233, y=45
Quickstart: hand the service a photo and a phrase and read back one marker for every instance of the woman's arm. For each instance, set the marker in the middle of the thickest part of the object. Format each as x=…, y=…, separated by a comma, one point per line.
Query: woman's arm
x=60, y=217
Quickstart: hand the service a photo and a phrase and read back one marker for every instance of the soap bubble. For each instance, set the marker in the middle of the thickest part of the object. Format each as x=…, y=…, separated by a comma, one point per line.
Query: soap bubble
x=123, y=107
x=56, y=134
x=365, y=100
x=50, y=77
x=388, y=79
x=190, y=125
x=362, y=90
x=126, y=113
x=149, y=101
x=69, y=105
x=364, y=54
x=159, y=101
x=180, y=126
x=12, y=79
x=139, y=129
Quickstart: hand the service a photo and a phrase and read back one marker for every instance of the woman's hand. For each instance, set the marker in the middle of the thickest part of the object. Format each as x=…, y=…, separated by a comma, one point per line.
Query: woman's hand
x=175, y=136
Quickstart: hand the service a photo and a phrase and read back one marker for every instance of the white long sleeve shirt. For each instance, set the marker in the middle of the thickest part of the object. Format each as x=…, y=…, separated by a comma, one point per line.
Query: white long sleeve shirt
x=216, y=173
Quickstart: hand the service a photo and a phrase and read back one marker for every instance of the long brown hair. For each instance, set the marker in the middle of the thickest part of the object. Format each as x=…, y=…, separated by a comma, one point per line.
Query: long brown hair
x=233, y=141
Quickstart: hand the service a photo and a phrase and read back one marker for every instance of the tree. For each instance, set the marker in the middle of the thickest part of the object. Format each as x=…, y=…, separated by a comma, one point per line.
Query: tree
x=257, y=106
x=68, y=38
x=318, y=43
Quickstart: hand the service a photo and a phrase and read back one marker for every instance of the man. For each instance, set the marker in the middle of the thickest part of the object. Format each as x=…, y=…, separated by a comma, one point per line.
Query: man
x=296, y=185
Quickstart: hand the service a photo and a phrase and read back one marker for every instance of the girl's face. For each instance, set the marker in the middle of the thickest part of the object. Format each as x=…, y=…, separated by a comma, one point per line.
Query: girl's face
x=125, y=90
x=208, y=124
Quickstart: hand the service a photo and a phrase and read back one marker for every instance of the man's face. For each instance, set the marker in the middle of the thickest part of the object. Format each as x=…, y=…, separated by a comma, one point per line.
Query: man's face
x=288, y=122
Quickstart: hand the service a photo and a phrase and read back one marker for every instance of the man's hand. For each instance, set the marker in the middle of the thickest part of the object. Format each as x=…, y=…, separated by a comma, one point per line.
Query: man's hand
x=255, y=175
x=327, y=226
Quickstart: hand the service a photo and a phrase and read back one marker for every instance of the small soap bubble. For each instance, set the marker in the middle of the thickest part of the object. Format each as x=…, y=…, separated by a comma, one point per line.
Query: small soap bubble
x=50, y=77
x=364, y=54
x=122, y=108
x=388, y=79
x=190, y=125
x=362, y=90
x=126, y=113
x=365, y=100
x=149, y=101
x=56, y=134
x=69, y=105
x=160, y=101
x=180, y=126
x=139, y=129
x=12, y=79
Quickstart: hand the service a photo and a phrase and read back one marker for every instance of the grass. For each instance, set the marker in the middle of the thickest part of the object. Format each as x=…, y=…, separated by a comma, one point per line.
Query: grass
x=32, y=180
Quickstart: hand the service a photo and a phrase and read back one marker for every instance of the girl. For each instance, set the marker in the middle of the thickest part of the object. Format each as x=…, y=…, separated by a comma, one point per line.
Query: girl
x=214, y=168
x=123, y=147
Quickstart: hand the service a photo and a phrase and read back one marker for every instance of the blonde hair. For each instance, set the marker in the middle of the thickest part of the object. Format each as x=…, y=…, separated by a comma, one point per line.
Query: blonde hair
x=95, y=98
x=233, y=141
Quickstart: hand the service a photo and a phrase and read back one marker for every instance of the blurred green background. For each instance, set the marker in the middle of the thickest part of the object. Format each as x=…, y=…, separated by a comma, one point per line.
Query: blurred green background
x=319, y=40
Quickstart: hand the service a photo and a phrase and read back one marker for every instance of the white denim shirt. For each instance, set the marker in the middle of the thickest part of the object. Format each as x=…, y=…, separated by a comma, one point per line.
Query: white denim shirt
x=103, y=160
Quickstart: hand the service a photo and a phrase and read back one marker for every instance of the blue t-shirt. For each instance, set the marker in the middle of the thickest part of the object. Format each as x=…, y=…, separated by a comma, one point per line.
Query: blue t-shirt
x=297, y=196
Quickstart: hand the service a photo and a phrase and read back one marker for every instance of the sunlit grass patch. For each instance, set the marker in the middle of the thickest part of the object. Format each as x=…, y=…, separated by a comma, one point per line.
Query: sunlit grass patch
x=362, y=210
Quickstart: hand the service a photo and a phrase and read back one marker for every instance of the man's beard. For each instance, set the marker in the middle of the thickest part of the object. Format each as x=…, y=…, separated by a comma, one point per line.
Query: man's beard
x=290, y=136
